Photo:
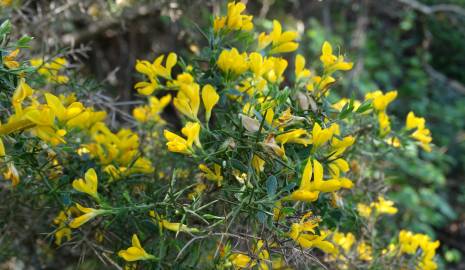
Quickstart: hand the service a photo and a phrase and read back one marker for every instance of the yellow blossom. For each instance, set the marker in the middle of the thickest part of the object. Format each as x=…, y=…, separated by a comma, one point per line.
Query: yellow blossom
x=50, y=70
x=320, y=136
x=89, y=185
x=231, y=61
x=305, y=235
x=210, y=98
x=281, y=42
x=152, y=111
x=9, y=60
x=178, y=144
x=332, y=63
x=135, y=252
x=234, y=20
x=172, y=226
x=154, y=70
x=215, y=175
x=365, y=251
x=382, y=206
x=89, y=213
x=420, y=133
x=300, y=71
x=11, y=174
x=257, y=163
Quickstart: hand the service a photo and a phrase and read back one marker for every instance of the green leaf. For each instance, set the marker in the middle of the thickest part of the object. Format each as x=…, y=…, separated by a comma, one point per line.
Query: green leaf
x=271, y=185
x=23, y=42
x=365, y=106
x=5, y=28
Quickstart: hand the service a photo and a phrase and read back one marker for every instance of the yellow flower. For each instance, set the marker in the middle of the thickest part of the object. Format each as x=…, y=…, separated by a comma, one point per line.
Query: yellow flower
x=382, y=206
x=89, y=185
x=413, y=243
x=300, y=71
x=212, y=176
x=187, y=100
x=178, y=144
x=299, y=136
x=89, y=213
x=61, y=112
x=152, y=111
x=305, y=192
x=172, y=226
x=275, y=74
x=345, y=241
x=154, y=70
x=231, y=61
x=51, y=69
x=234, y=20
x=381, y=101
x=241, y=261
x=260, y=65
x=9, y=60
x=364, y=210
x=365, y=251
x=320, y=136
x=198, y=189
x=305, y=235
x=135, y=252
x=61, y=233
x=11, y=174
x=210, y=98
x=281, y=42
x=332, y=63
x=421, y=133
x=258, y=164
x=22, y=91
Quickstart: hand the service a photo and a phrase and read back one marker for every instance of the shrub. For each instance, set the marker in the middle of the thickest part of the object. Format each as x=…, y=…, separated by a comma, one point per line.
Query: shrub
x=268, y=171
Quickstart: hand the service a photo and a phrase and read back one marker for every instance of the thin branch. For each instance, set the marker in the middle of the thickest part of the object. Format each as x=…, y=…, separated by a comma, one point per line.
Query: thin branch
x=425, y=9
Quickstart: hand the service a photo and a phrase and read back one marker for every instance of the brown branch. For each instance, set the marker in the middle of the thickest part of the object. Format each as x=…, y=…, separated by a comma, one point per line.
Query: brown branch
x=425, y=9
x=99, y=27
x=453, y=84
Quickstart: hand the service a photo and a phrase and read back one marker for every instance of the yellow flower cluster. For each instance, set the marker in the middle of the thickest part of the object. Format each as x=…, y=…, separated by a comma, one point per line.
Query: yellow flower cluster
x=413, y=244
x=382, y=206
x=154, y=71
x=420, y=132
x=304, y=233
x=380, y=103
x=234, y=20
x=50, y=70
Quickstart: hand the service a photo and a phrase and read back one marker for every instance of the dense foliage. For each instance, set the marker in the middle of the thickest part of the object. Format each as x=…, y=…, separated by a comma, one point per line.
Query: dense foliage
x=265, y=163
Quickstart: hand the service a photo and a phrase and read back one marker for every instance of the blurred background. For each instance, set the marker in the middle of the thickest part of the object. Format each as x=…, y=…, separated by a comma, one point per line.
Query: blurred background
x=414, y=46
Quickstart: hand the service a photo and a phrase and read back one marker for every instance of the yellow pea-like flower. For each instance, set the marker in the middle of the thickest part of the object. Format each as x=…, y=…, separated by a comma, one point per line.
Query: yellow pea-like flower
x=300, y=71
x=171, y=226
x=88, y=185
x=22, y=91
x=305, y=192
x=12, y=174
x=89, y=213
x=210, y=98
x=215, y=175
x=181, y=145
x=320, y=136
x=61, y=112
x=304, y=234
x=135, y=252
x=232, y=61
x=192, y=131
x=331, y=62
